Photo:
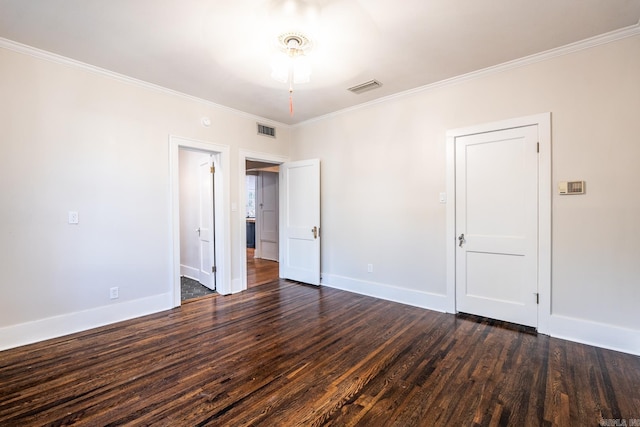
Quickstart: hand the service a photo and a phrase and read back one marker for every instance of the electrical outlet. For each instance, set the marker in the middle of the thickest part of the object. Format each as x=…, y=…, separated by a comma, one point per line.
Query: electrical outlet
x=369, y=268
x=113, y=293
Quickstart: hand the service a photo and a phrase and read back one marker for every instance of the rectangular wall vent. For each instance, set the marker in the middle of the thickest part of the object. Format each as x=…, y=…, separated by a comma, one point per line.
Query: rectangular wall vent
x=364, y=87
x=266, y=130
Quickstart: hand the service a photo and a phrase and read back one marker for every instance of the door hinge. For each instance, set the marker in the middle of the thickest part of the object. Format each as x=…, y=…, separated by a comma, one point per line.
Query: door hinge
x=538, y=147
x=537, y=298
x=213, y=269
x=213, y=169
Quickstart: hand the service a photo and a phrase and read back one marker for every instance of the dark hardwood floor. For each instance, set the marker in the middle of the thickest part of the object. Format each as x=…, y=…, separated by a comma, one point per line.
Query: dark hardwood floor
x=287, y=354
x=260, y=271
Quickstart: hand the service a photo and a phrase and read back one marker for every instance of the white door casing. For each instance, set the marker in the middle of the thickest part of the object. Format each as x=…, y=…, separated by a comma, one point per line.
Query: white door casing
x=300, y=221
x=267, y=216
x=496, y=224
x=222, y=236
x=544, y=193
x=244, y=156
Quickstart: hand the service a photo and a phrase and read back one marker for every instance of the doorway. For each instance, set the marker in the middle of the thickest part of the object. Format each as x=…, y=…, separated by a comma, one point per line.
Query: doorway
x=218, y=234
x=299, y=217
x=197, y=243
x=499, y=220
x=496, y=224
x=262, y=222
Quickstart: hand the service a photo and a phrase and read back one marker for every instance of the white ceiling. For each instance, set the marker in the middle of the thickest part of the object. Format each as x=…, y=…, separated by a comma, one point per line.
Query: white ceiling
x=220, y=50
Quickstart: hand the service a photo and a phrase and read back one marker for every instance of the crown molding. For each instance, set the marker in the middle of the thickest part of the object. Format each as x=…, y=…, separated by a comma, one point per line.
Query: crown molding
x=622, y=33
x=63, y=60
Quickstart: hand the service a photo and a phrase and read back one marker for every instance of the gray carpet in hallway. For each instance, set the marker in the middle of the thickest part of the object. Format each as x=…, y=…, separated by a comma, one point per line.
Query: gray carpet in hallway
x=190, y=289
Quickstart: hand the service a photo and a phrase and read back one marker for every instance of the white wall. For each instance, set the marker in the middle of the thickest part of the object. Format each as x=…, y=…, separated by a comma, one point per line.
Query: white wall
x=74, y=139
x=383, y=167
x=189, y=163
x=77, y=139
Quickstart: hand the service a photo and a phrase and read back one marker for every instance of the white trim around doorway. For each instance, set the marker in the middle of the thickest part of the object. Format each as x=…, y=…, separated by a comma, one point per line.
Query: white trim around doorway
x=543, y=122
x=245, y=155
x=222, y=223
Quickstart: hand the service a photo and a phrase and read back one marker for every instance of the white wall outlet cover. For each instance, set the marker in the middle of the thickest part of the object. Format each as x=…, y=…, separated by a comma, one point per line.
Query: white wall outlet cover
x=73, y=217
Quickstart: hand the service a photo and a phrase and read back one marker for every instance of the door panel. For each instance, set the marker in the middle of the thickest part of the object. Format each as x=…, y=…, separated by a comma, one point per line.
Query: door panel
x=299, y=217
x=267, y=212
x=496, y=221
x=205, y=229
x=490, y=268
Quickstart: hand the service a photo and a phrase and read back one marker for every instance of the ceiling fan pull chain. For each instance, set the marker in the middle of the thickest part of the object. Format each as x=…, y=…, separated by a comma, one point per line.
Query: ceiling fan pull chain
x=291, y=99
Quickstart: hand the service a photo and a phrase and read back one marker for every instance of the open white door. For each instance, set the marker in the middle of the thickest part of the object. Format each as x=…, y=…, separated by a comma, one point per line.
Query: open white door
x=267, y=216
x=205, y=228
x=300, y=221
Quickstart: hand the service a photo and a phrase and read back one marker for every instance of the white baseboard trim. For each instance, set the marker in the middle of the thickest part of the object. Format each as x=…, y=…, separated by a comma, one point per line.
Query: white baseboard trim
x=563, y=327
x=387, y=292
x=236, y=286
x=568, y=328
x=190, y=272
x=57, y=326
x=595, y=334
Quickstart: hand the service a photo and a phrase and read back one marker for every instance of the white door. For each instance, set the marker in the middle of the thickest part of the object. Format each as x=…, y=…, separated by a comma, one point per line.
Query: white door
x=267, y=216
x=497, y=224
x=205, y=228
x=300, y=221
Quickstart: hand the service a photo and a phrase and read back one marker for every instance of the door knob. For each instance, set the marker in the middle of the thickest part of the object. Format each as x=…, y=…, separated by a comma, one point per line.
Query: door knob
x=314, y=230
x=461, y=240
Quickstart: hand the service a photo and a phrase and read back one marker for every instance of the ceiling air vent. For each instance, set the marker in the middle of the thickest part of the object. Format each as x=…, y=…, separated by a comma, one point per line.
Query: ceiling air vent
x=364, y=87
x=266, y=130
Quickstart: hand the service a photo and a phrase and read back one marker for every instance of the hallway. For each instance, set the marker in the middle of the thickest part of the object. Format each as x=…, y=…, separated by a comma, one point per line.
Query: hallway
x=260, y=271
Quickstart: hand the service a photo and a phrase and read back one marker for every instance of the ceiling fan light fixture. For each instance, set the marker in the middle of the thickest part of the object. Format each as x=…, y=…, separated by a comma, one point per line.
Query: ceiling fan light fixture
x=301, y=69
x=293, y=43
x=290, y=63
x=280, y=67
x=293, y=40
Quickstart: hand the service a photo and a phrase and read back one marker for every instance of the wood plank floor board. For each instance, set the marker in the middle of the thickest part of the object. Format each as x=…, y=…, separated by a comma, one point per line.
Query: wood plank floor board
x=284, y=353
x=260, y=271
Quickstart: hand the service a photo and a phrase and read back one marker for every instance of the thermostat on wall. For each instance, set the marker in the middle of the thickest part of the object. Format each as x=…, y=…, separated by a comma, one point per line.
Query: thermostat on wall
x=571, y=187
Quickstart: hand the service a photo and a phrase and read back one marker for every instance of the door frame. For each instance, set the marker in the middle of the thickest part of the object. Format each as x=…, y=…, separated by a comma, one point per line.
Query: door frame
x=243, y=156
x=543, y=122
x=222, y=225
